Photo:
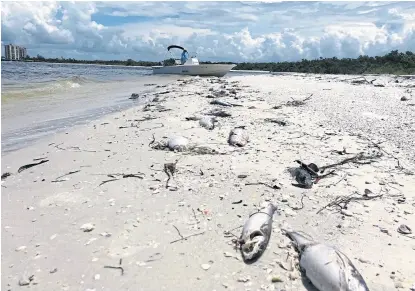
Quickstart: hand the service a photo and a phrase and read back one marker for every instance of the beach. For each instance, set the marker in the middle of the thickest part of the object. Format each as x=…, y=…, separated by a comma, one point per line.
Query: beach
x=100, y=213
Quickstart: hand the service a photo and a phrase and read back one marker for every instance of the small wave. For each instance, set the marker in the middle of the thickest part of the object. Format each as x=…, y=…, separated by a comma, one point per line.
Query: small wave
x=21, y=90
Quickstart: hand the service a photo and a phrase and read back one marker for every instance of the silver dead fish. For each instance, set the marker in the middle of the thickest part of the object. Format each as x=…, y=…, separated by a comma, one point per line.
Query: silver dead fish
x=256, y=233
x=178, y=143
x=238, y=137
x=325, y=266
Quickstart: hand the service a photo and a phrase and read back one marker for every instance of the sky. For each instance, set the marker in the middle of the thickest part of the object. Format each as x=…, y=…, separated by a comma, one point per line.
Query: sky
x=214, y=31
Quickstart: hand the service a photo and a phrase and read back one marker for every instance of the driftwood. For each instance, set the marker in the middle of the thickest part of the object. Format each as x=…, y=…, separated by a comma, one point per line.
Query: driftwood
x=342, y=201
x=67, y=174
x=360, y=159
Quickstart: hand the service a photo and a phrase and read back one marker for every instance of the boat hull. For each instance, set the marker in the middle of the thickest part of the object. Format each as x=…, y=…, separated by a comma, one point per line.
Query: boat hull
x=217, y=70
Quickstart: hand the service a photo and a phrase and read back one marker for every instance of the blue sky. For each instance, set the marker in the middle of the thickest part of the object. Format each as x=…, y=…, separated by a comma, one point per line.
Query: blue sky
x=215, y=31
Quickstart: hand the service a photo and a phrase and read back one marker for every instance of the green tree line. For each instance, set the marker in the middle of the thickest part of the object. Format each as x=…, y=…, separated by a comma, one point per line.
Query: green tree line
x=392, y=63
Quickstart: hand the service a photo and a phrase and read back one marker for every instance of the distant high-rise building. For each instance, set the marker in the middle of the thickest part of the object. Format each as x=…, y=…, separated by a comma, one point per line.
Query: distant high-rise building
x=14, y=52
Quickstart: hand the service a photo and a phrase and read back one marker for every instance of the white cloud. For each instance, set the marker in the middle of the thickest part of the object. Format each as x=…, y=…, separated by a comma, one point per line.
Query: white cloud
x=234, y=31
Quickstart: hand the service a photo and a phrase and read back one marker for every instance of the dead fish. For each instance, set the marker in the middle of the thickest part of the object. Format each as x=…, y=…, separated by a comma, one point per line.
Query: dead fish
x=178, y=143
x=238, y=137
x=208, y=122
x=219, y=113
x=325, y=266
x=220, y=102
x=256, y=233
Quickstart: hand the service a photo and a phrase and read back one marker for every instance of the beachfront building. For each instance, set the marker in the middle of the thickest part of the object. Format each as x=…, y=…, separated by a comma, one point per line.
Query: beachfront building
x=15, y=52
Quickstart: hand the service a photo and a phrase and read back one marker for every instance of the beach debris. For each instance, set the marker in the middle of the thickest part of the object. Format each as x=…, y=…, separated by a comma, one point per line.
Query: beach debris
x=294, y=103
x=67, y=174
x=238, y=137
x=184, y=237
x=346, y=212
x=224, y=103
x=404, y=229
x=26, y=280
x=325, y=266
x=205, y=266
x=244, y=279
x=360, y=80
x=360, y=159
x=220, y=102
x=53, y=271
x=170, y=169
x=404, y=98
x=256, y=233
x=87, y=227
x=121, y=176
x=134, y=96
x=276, y=279
x=298, y=208
x=116, y=267
x=276, y=120
x=193, y=118
x=25, y=167
x=341, y=202
x=21, y=248
x=182, y=144
x=218, y=113
x=5, y=175
x=272, y=186
x=208, y=122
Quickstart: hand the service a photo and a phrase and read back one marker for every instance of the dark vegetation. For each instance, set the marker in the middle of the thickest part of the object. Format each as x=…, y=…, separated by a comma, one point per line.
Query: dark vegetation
x=392, y=63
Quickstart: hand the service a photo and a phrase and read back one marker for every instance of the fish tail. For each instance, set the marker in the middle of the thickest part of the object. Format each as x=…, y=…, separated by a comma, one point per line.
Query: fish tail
x=300, y=240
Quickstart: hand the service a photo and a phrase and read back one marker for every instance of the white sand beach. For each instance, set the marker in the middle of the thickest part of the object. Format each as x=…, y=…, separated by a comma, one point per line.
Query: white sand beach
x=135, y=219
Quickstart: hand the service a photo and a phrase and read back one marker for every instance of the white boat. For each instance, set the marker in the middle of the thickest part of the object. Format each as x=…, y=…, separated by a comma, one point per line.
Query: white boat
x=192, y=67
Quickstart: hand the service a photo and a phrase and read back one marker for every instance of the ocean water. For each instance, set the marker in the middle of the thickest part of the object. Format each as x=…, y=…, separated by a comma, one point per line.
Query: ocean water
x=40, y=99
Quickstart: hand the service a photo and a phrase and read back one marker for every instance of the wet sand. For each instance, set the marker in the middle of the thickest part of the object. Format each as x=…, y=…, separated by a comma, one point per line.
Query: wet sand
x=136, y=219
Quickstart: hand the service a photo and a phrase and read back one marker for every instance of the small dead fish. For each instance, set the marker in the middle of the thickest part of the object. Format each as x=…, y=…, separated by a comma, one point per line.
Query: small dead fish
x=178, y=143
x=238, y=137
x=220, y=102
x=208, y=122
x=256, y=233
x=325, y=266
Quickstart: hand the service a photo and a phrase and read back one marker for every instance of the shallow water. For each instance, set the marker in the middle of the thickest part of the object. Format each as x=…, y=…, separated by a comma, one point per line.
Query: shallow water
x=39, y=99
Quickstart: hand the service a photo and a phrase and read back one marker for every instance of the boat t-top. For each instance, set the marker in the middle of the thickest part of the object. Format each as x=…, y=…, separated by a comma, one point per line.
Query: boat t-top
x=191, y=66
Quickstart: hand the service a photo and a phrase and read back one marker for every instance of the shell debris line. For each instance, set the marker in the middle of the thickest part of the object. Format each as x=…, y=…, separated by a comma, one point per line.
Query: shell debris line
x=206, y=183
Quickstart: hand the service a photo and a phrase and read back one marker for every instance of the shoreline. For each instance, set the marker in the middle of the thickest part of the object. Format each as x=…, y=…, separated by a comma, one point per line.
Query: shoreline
x=74, y=106
x=135, y=219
